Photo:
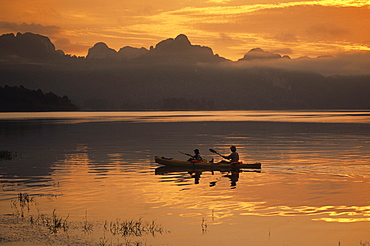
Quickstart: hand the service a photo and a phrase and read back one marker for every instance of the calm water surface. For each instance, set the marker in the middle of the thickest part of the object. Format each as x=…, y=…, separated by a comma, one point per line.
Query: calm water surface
x=313, y=188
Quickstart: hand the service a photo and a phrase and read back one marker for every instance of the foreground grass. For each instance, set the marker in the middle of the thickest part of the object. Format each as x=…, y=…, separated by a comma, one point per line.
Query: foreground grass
x=24, y=227
x=27, y=227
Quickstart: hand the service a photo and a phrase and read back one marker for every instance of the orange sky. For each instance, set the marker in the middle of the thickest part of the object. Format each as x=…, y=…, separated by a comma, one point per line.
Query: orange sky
x=230, y=27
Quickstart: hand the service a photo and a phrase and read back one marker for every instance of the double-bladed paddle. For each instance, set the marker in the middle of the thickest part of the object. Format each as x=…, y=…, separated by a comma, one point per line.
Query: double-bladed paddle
x=214, y=151
x=185, y=153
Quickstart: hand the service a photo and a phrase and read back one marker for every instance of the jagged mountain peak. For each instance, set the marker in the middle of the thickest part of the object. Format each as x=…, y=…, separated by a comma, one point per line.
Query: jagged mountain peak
x=28, y=45
x=183, y=39
x=258, y=53
x=101, y=51
x=181, y=42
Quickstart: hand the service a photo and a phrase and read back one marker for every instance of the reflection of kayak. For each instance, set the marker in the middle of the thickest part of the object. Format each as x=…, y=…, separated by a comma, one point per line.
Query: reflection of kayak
x=226, y=165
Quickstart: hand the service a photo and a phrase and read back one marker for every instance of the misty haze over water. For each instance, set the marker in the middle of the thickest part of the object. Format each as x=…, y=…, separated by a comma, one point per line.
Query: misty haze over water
x=177, y=75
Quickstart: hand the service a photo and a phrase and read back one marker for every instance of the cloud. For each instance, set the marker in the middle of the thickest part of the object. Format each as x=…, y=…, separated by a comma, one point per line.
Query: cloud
x=219, y=1
x=328, y=30
x=250, y=8
x=68, y=47
x=231, y=27
x=308, y=25
x=24, y=27
x=285, y=51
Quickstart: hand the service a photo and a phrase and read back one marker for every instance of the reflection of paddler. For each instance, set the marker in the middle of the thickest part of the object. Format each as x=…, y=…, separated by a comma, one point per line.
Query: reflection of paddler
x=234, y=176
x=196, y=176
x=213, y=183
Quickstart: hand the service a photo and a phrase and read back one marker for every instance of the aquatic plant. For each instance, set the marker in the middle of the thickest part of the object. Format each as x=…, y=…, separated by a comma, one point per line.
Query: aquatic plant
x=204, y=226
x=21, y=204
x=87, y=226
x=135, y=243
x=7, y=155
x=133, y=227
x=53, y=223
x=64, y=231
x=105, y=242
x=21, y=207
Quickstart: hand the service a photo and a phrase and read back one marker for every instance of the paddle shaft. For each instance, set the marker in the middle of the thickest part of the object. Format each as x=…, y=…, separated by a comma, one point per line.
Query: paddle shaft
x=185, y=153
x=214, y=151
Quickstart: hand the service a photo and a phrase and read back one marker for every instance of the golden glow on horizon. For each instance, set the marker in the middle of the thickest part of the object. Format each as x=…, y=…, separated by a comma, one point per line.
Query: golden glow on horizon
x=222, y=10
x=230, y=28
x=340, y=116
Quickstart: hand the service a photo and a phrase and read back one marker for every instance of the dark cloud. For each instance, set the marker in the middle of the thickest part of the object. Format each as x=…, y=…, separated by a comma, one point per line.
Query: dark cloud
x=287, y=51
x=286, y=37
x=68, y=47
x=327, y=30
x=25, y=27
x=228, y=40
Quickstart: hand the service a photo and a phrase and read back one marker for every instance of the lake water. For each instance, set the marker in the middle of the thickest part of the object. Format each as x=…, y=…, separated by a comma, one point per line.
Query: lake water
x=313, y=188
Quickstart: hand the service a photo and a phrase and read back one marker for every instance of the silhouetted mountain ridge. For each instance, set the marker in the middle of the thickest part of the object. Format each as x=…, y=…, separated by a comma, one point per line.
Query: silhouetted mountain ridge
x=101, y=51
x=28, y=45
x=258, y=53
x=128, y=52
x=35, y=47
x=181, y=50
x=175, y=74
x=170, y=50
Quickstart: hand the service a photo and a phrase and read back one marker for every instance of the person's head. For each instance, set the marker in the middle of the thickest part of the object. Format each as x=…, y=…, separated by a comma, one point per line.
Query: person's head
x=233, y=148
x=196, y=151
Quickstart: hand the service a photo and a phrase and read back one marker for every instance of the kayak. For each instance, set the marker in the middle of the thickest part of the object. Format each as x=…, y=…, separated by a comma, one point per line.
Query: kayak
x=163, y=170
x=204, y=164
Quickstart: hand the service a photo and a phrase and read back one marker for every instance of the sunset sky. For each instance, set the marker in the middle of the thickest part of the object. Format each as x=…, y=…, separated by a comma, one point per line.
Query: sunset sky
x=230, y=27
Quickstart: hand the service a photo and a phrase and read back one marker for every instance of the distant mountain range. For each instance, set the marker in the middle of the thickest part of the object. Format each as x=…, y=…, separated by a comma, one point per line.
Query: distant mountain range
x=27, y=46
x=174, y=74
x=34, y=47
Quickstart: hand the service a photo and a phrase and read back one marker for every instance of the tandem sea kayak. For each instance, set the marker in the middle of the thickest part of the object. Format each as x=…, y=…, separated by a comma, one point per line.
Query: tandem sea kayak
x=203, y=164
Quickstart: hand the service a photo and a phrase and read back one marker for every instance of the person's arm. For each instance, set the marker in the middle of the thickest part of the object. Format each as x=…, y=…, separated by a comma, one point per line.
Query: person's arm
x=227, y=157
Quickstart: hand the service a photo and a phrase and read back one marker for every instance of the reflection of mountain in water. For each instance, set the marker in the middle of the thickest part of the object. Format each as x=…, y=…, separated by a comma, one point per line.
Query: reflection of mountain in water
x=101, y=146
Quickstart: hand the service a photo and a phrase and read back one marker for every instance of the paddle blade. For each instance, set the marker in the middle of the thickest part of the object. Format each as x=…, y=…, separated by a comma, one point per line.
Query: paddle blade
x=214, y=151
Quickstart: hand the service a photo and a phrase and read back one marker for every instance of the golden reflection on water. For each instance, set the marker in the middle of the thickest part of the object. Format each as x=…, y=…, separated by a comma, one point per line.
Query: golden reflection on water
x=333, y=116
x=335, y=213
x=112, y=191
x=309, y=181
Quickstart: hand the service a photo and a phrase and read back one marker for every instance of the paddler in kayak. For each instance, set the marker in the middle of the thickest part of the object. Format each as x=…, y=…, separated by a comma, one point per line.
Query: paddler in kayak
x=196, y=157
x=233, y=157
